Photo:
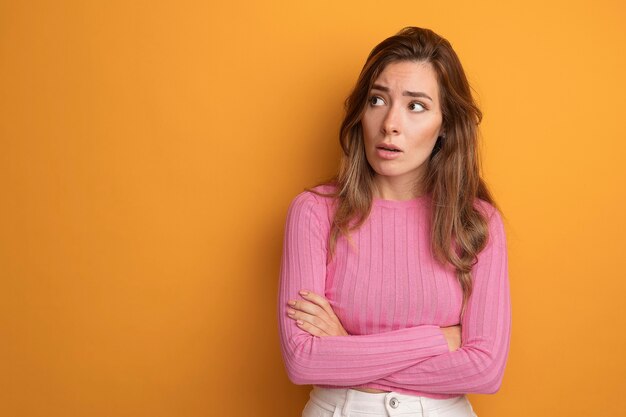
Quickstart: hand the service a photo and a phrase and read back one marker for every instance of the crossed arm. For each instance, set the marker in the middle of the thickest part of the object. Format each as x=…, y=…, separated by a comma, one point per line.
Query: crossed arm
x=317, y=349
x=314, y=315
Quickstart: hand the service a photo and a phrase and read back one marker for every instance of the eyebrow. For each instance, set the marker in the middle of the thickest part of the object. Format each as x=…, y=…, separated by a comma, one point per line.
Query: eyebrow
x=404, y=93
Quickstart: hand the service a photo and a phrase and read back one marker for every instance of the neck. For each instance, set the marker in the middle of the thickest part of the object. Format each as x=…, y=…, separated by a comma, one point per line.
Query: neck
x=396, y=189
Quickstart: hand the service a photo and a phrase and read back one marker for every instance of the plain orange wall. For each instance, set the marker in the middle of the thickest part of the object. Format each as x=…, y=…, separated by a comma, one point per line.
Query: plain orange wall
x=149, y=151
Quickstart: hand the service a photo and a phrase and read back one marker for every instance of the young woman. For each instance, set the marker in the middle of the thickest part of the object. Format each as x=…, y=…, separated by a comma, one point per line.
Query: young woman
x=394, y=294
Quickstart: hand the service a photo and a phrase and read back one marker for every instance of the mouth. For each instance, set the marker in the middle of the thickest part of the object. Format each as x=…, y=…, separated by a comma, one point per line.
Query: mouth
x=388, y=147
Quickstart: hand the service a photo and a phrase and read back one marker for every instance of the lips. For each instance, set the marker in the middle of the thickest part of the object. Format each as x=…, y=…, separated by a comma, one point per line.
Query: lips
x=388, y=152
x=388, y=147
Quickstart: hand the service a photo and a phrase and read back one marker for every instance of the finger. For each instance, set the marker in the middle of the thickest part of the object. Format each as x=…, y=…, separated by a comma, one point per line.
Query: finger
x=309, y=328
x=309, y=318
x=332, y=325
x=307, y=307
x=319, y=300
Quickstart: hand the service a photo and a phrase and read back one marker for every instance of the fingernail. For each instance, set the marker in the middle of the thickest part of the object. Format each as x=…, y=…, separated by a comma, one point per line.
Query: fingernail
x=304, y=292
x=300, y=323
x=291, y=312
x=291, y=303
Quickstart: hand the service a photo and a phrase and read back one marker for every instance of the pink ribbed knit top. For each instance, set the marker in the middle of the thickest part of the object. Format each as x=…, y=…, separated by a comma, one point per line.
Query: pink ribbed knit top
x=392, y=297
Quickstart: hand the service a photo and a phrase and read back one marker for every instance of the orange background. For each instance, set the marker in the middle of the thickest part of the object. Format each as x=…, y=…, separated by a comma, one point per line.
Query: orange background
x=149, y=151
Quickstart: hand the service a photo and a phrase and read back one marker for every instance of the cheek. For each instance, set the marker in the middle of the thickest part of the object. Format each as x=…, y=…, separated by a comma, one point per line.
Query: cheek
x=424, y=139
x=370, y=124
x=426, y=134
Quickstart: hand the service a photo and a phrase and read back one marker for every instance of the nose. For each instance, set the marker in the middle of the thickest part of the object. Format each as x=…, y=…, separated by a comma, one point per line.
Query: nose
x=391, y=122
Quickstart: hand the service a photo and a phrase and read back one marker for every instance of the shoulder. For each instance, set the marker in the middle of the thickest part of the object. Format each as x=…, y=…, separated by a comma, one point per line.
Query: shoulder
x=316, y=202
x=488, y=210
x=494, y=219
x=319, y=197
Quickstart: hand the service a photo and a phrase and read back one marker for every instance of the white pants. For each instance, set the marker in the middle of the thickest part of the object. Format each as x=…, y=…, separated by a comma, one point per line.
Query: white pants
x=342, y=402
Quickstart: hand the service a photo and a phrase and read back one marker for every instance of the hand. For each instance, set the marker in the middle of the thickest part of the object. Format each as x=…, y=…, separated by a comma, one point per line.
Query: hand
x=315, y=315
x=453, y=337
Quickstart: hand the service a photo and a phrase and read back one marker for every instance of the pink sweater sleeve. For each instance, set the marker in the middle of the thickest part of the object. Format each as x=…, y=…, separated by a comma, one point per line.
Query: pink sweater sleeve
x=478, y=366
x=336, y=360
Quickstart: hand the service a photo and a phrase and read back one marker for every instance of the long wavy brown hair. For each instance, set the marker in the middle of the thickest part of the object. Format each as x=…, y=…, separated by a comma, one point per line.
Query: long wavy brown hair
x=459, y=229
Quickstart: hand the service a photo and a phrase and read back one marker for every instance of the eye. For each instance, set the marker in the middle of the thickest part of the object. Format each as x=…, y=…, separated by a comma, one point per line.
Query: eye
x=417, y=107
x=376, y=101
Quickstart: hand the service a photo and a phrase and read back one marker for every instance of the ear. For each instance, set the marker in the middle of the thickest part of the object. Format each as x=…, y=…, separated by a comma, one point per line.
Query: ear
x=437, y=147
x=442, y=133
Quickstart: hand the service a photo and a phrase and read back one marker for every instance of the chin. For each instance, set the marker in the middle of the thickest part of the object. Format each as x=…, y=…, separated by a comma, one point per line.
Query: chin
x=388, y=172
x=398, y=171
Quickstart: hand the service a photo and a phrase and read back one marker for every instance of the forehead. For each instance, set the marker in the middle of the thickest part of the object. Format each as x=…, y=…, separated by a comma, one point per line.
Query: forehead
x=410, y=76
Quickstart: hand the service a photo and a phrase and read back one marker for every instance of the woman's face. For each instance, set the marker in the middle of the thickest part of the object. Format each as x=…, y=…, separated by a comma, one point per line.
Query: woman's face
x=402, y=121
